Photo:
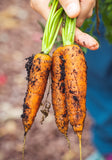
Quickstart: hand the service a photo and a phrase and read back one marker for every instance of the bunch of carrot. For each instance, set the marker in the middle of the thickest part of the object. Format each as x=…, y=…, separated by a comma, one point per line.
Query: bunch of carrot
x=68, y=73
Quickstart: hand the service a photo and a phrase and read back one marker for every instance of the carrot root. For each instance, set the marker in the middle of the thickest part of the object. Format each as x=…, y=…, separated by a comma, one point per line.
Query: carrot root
x=79, y=134
x=23, y=147
x=38, y=70
x=58, y=91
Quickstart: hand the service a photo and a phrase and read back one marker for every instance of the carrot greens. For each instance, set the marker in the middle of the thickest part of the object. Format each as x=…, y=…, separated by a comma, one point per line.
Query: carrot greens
x=68, y=31
x=52, y=27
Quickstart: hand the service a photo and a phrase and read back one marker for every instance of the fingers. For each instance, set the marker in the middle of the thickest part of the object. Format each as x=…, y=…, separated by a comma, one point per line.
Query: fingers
x=86, y=11
x=85, y=40
x=71, y=7
x=41, y=6
x=81, y=38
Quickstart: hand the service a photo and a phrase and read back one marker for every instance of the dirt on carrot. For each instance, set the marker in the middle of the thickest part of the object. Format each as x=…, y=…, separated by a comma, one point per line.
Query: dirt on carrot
x=38, y=70
x=75, y=85
x=58, y=91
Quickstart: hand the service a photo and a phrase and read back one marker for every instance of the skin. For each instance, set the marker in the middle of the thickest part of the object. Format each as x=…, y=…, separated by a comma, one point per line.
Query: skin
x=37, y=80
x=75, y=85
x=74, y=8
x=58, y=91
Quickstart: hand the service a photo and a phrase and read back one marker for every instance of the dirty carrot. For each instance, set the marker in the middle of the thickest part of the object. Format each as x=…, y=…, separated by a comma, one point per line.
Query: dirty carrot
x=75, y=78
x=37, y=80
x=75, y=85
x=58, y=91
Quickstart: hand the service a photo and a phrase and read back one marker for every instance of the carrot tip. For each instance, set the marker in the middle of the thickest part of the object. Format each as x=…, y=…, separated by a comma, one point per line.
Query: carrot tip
x=79, y=134
x=23, y=148
x=68, y=141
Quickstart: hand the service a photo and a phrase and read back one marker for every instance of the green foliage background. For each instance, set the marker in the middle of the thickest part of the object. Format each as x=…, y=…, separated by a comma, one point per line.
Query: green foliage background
x=105, y=10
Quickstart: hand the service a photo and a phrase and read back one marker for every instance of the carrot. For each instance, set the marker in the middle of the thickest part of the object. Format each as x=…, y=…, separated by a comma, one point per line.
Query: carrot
x=75, y=76
x=75, y=79
x=37, y=80
x=58, y=91
x=75, y=85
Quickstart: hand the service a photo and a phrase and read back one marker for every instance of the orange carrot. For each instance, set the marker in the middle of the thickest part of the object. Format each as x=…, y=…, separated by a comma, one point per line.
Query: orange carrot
x=75, y=85
x=38, y=71
x=58, y=91
x=75, y=79
x=75, y=88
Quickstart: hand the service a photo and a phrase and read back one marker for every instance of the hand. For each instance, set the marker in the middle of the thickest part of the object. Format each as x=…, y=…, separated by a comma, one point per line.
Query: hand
x=73, y=8
x=81, y=10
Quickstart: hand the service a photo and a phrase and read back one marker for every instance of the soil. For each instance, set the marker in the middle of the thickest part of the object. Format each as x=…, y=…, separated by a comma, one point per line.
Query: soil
x=20, y=35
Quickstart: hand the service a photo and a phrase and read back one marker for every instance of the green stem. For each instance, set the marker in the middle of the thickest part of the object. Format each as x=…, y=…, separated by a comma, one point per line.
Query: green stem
x=52, y=27
x=68, y=31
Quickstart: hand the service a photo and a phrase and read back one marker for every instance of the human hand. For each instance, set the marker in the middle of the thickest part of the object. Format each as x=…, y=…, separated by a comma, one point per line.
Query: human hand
x=73, y=8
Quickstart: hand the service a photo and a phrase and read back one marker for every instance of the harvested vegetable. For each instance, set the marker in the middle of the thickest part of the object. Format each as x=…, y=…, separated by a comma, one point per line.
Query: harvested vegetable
x=38, y=68
x=37, y=81
x=58, y=91
x=75, y=85
x=75, y=78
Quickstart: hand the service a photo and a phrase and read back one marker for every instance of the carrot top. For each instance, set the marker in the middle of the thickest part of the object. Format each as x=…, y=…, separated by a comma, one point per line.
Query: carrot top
x=52, y=27
x=68, y=30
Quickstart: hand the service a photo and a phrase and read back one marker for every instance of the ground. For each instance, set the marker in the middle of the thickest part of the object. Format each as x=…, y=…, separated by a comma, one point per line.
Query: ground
x=20, y=36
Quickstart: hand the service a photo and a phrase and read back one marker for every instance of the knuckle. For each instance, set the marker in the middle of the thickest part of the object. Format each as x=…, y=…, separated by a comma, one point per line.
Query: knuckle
x=79, y=22
x=92, y=2
x=90, y=14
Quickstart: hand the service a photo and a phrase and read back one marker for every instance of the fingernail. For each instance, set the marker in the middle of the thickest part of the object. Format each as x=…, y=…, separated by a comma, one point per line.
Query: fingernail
x=72, y=10
x=95, y=46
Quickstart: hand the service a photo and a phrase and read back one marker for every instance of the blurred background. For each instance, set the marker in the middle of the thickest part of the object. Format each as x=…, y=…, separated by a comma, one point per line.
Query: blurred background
x=20, y=37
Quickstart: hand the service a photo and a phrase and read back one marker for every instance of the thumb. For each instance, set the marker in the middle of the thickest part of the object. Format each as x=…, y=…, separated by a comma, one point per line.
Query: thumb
x=71, y=7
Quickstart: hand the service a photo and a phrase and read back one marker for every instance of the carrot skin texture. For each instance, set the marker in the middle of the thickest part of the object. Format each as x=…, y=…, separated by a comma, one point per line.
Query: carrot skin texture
x=37, y=80
x=75, y=85
x=58, y=91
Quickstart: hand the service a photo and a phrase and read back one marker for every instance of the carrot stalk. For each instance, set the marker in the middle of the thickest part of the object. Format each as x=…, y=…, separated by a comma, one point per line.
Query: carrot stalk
x=68, y=141
x=52, y=27
x=68, y=31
